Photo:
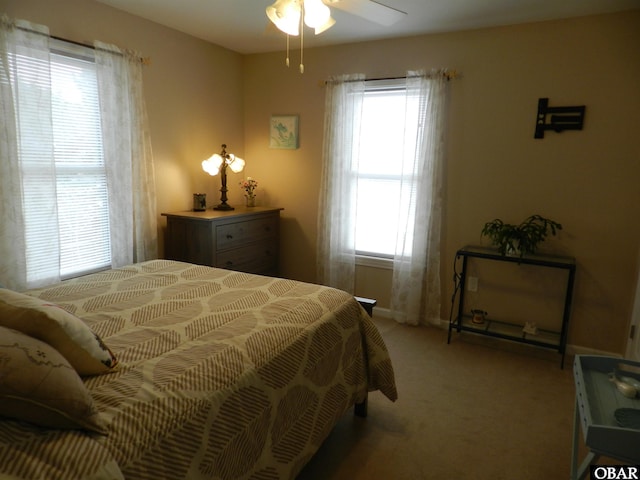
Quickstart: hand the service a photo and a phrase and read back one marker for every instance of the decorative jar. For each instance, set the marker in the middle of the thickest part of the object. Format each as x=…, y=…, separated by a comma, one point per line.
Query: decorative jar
x=199, y=202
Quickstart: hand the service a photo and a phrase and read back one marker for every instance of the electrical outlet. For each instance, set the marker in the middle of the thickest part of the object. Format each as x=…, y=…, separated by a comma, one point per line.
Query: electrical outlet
x=472, y=284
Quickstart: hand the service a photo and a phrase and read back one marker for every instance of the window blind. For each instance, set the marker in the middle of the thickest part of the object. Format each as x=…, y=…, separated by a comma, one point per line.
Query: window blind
x=383, y=171
x=64, y=180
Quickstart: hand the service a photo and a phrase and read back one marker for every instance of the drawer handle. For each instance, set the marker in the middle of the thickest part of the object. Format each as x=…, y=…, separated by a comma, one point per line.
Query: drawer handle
x=229, y=263
x=229, y=236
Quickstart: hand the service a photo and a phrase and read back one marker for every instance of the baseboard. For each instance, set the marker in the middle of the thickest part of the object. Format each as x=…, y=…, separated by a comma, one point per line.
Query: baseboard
x=580, y=350
x=382, y=312
x=572, y=350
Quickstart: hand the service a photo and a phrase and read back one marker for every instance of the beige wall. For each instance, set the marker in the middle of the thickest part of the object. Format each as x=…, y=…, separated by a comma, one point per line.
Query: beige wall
x=586, y=180
x=200, y=95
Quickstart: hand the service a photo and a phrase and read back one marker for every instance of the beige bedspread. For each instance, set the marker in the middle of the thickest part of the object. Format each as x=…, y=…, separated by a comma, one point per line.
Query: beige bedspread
x=222, y=375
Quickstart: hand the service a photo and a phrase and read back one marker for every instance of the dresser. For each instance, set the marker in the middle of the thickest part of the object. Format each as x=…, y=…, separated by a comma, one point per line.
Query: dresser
x=245, y=239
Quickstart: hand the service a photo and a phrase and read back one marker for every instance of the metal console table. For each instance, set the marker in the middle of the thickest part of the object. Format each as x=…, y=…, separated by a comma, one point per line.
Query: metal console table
x=511, y=331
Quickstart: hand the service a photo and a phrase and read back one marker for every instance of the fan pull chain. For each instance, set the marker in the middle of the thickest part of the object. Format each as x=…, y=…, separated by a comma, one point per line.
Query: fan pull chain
x=302, y=40
x=287, y=60
x=301, y=52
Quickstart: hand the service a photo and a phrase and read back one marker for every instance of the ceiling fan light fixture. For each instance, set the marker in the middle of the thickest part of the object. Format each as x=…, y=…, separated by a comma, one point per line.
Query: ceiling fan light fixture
x=326, y=26
x=317, y=16
x=290, y=16
x=285, y=14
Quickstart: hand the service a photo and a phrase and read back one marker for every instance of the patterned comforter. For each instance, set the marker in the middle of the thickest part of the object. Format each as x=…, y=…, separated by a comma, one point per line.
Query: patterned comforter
x=222, y=375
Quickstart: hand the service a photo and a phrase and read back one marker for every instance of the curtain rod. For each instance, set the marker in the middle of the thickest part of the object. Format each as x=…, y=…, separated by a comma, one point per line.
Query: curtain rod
x=448, y=74
x=143, y=60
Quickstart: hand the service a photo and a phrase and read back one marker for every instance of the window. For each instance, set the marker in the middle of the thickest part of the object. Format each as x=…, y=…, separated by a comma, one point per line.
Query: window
x=63, y=90
x=378, y=168
x=76, y=178
x=381, y=185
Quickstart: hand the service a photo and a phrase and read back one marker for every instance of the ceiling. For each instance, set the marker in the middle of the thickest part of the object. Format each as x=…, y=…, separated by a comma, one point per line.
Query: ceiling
x=242, y=25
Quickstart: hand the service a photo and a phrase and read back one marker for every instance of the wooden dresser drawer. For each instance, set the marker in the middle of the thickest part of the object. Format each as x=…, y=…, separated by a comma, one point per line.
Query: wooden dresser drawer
x=254, y=258
x=240, y=233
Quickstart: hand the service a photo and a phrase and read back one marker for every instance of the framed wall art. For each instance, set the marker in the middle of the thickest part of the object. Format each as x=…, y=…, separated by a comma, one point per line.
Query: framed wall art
x=283, y=132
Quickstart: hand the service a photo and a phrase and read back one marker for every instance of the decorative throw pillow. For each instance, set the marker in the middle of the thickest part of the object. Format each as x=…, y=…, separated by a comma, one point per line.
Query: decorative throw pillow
x=38, y=385
x=73, y=338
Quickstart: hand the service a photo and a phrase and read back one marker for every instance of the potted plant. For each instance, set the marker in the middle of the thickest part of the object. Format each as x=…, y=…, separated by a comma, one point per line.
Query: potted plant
x=520, y=239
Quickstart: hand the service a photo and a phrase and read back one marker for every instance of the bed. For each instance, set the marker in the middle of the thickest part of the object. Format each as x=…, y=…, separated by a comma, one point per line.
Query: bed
x=197, y=373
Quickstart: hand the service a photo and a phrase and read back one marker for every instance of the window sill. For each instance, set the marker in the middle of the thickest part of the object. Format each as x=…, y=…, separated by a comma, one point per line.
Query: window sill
x=375, y=262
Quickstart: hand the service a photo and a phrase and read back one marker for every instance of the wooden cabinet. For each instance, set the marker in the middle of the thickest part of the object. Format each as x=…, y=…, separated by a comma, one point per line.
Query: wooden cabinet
x=244, y=239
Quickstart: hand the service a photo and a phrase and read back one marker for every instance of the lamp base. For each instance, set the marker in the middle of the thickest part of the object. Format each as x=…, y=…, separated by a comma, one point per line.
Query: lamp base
x=223, y=206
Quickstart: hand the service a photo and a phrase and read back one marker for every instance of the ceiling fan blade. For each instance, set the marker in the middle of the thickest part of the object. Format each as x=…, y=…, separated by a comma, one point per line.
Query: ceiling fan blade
x=369, y=10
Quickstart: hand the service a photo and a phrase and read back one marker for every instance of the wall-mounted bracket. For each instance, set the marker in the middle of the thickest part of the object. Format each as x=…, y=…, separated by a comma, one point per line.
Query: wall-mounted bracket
x=560, y=118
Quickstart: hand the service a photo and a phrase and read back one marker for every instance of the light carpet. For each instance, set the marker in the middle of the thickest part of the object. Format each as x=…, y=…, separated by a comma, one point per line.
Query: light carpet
x=477, y=408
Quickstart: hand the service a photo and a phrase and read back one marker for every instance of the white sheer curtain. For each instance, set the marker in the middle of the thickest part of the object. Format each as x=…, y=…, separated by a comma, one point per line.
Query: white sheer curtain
x=337, y=203
x=128, y=157
x=24, y=39
x=415, y=290
x=126, y=148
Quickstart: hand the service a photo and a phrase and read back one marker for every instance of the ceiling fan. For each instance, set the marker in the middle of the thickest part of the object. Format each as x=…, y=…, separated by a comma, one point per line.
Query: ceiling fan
x=289, y=16
x=371, y=10
x=286, y=14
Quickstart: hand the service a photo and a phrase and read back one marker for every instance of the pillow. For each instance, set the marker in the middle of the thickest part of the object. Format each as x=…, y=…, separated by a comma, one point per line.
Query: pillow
x=39, y=386
x=65, y=332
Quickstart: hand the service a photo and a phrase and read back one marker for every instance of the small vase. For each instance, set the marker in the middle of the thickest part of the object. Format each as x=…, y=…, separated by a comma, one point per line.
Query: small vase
x=199, y=202
x=251, y=200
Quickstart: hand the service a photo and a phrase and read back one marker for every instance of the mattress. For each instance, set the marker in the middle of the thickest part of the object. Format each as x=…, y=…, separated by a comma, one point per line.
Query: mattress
x=220, y=374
